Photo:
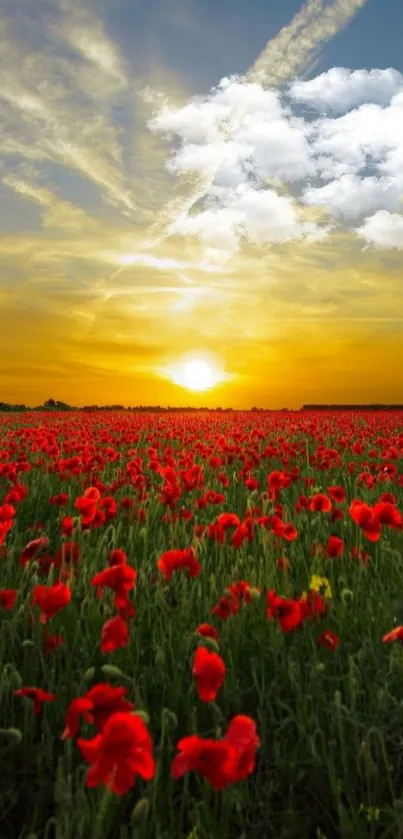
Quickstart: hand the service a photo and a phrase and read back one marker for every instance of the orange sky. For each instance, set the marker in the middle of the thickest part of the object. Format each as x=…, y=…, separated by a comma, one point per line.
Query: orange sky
x=108, y=279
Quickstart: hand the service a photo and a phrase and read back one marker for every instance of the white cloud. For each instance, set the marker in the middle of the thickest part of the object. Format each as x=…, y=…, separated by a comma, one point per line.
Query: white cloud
x=366, y=134
x=258, y=215
x=220, y=228
x=262, y=168
x=339, y=89
x=279, y=146
x=267, y=216
x=350, y=197
x=383, y=229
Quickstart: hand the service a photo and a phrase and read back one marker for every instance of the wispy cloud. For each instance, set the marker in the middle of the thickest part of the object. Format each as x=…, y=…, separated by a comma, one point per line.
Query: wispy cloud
x=296, y=46
x=85, y=33
x=56, y=109
x=58, y=213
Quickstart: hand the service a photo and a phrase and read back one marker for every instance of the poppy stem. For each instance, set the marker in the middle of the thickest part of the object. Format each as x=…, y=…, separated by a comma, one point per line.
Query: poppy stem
x=99, y=830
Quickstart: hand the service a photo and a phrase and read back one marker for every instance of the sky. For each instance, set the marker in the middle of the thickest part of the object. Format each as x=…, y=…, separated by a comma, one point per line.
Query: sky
x=201, y=192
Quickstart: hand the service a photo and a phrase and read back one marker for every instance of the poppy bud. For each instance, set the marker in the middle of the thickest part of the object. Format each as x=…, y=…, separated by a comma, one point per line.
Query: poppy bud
x=347, y=596
x=89, y=674
x=140, y=811
x=112, y=672
x=12, y=735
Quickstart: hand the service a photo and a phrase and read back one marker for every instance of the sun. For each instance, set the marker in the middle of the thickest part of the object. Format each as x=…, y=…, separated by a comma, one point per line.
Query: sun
x=196, y=372
x=198, y=375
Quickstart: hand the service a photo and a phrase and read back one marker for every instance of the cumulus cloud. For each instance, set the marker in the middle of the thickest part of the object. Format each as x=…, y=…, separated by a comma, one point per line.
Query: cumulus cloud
x=350, y=197
x=383, y=229
x=263, y=168
x=341, y=89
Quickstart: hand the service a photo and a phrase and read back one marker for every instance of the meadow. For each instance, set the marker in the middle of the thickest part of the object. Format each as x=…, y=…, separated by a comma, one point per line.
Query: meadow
x=201, y=626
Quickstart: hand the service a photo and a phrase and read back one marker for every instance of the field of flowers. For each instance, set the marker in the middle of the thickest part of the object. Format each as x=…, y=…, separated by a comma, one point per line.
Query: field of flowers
x=201, y=626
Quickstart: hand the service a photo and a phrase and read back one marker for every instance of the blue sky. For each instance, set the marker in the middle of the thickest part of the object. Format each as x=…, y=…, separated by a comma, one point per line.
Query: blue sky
x=211, y=179
x=205, y=40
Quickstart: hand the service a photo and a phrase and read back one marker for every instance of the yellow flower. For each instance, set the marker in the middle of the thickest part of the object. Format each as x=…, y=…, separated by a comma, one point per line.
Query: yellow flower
x=321, y=585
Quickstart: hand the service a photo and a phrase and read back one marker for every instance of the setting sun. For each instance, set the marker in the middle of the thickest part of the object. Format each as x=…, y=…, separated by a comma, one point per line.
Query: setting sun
x=196, y=373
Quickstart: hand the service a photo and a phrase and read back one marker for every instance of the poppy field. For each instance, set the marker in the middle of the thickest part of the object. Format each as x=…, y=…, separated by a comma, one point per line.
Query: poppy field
x=201, y=625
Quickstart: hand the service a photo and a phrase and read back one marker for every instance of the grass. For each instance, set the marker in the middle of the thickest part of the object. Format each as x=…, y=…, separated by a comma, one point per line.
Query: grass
x=330, y=724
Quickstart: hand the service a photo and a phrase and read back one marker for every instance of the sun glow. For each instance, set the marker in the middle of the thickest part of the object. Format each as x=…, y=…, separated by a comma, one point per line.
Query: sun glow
x=196, y=373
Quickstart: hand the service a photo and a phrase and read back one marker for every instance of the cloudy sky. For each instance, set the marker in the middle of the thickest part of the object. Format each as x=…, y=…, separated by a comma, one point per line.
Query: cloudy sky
x=217, y=180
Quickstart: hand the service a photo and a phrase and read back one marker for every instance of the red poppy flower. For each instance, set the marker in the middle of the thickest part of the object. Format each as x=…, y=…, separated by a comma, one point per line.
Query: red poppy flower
x=320, y=503
x=289, y=612
x=329, y=640
x=226, y=520
x=120, y=578
x=214, y=760
x=388, y=514
x=32, y=548
x=119, y=753
x=81, y=707
x=337, y=493
x=60, y=500
x=243, y=532
x=241, y=733
x=67, y=525
x=209, y=673
x=277, y=481
x=50, y=599
x=221, y=762
x=313, y=606
x=107, y=699
x=38, y=696
x=363, y=515
x=226, y=606
x=335, y=546
x=7, y=513
x=207, y=631
x=290, y=532
x=117, y=557
x=216, y=533
x=92, y=493
x=175, y=560
x=7, y=598
x=114, y=634
x=98, y=704
x=395, y=634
